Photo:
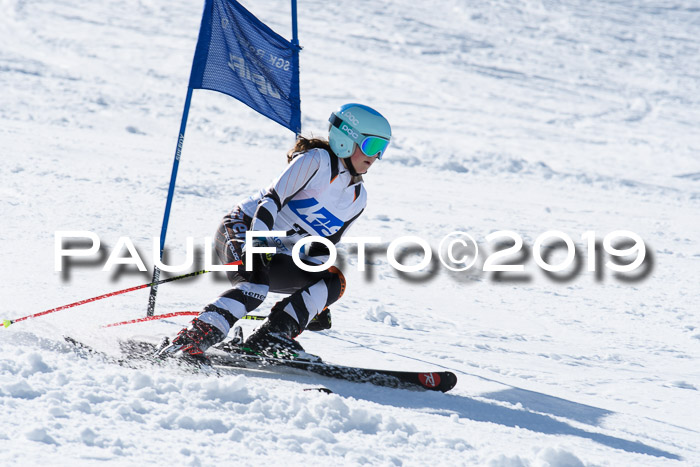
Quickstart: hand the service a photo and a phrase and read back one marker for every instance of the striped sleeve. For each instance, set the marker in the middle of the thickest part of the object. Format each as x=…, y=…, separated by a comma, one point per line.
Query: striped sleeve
x=290, y=182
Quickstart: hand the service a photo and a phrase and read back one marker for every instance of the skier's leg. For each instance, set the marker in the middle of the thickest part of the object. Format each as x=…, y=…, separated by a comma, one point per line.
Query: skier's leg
x=290, y=316
x=304, y=304
x=249, y=287
x=249, y=291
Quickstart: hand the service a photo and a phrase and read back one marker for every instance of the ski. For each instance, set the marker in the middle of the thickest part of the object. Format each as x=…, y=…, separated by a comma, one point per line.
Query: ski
x=433, y=381
x=238, y=358
x=136, y=351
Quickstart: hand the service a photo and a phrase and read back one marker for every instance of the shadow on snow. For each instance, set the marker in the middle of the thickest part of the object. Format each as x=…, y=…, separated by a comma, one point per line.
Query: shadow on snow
x=480, y=411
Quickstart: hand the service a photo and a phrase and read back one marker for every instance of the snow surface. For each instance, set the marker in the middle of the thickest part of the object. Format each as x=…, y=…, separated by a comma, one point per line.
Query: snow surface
x=525, y=116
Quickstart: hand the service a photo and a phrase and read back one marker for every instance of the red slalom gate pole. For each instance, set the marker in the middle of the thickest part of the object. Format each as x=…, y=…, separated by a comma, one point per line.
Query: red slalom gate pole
x=8, y=322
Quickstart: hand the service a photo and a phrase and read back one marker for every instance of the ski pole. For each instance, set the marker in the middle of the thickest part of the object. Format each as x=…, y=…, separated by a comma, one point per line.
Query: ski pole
x=8, y=322
x=170, y=315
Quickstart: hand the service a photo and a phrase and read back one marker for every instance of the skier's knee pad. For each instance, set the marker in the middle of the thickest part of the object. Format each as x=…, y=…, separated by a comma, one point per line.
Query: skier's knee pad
x=335, y=282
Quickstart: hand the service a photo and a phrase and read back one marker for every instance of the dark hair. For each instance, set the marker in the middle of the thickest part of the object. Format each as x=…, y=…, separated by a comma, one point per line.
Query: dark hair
x=303, y=145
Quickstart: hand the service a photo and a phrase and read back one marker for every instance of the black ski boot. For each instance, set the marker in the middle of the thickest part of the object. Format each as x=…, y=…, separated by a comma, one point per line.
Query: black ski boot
x=191, y=342
x=275, y=338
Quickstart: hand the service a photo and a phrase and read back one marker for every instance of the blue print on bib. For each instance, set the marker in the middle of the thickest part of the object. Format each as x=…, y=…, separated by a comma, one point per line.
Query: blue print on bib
x=319, y=218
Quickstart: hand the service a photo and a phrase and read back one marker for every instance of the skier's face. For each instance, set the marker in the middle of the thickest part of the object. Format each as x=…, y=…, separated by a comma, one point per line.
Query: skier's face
x=360, y=161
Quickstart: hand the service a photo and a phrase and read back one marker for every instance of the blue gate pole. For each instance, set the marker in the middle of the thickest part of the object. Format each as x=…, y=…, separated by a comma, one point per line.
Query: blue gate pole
x=295, y=53
x=169, y=202
x=295, y=39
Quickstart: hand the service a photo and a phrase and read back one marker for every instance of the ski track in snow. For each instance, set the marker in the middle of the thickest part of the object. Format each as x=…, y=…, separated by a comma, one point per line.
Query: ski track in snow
x=523, y=116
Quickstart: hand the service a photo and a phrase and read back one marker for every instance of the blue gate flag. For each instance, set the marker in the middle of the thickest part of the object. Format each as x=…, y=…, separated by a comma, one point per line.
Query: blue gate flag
x=238, y=55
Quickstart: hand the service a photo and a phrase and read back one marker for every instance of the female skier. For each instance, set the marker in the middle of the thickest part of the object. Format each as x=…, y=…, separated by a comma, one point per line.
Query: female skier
x=320, y=193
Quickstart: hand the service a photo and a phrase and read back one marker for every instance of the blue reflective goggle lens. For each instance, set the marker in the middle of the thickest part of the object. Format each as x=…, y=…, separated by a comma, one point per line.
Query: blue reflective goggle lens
x=373, y=146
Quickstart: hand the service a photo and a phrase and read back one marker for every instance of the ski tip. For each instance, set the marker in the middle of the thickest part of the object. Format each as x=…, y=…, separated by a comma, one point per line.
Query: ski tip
x=438, y=381
x=449, y=381
x=6, y=322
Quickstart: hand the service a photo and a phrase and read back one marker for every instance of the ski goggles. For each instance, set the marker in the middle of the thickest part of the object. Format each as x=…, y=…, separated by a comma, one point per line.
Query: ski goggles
x=370, y=145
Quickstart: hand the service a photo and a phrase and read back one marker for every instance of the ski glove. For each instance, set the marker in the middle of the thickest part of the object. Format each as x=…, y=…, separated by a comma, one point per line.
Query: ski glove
x=321, y=321
x=259, y=259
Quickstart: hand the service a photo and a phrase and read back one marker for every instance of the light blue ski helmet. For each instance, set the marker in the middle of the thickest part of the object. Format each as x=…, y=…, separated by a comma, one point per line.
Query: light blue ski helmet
x=358, y=124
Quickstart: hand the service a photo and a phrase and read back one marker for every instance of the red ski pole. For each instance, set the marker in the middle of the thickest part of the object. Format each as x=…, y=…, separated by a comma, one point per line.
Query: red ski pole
x=7, y=322
x=170, y=315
